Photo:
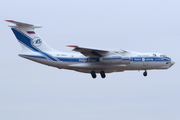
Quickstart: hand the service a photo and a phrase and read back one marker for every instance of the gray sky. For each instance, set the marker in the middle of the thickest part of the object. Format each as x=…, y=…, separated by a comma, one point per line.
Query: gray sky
x=31, y=91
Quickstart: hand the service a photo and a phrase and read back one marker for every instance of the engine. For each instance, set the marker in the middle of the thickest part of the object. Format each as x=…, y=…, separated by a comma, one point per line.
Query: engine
x=115, y=60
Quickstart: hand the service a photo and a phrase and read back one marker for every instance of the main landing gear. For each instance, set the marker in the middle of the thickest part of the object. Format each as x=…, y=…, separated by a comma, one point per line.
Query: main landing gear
x=103, y=75
x=93, y=74
x=145, y=73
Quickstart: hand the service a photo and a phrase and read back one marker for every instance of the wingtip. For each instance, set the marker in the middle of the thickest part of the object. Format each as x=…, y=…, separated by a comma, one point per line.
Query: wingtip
x=71, y=46
x=9, y=20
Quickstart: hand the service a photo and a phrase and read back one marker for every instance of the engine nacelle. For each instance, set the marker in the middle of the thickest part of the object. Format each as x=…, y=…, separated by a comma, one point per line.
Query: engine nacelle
x=115, y=60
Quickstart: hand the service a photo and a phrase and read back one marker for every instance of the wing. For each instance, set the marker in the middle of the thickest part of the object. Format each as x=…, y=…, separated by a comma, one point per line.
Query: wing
x=89, y=52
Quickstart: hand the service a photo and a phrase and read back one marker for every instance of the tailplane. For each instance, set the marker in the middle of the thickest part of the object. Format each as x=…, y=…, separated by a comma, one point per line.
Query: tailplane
x=28, y=38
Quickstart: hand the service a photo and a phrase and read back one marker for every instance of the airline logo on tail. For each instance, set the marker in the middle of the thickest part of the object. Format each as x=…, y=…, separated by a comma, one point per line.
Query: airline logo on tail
x=36, y=42
x=29, y=39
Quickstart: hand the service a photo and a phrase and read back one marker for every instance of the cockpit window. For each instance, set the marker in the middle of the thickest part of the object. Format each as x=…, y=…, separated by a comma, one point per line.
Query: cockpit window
x=164, y=56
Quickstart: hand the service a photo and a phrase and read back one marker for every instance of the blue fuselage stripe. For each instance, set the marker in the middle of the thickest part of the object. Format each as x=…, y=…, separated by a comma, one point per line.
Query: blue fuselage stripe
x=149, y=59
x=134, y=59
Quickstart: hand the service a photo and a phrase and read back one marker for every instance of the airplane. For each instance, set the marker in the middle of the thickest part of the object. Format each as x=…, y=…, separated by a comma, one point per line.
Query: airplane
x=89, y=60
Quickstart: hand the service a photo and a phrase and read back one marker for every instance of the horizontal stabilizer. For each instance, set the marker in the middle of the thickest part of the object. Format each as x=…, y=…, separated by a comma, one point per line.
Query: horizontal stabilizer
x=21, y=24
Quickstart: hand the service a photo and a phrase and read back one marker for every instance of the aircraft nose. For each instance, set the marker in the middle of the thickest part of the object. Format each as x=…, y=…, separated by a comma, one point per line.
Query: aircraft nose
x=172, y=63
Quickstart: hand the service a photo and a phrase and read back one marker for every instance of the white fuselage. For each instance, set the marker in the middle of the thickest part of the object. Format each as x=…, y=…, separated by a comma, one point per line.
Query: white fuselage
x=90, y=60
x=113, y=63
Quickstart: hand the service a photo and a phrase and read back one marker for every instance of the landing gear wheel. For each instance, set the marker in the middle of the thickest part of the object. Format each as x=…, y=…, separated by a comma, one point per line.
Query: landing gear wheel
x=145, y=73
x=103, y=75
x=93, y=74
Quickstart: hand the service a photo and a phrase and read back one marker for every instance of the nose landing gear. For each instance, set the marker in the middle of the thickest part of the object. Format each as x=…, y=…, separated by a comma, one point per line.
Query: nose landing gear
x=145, y=73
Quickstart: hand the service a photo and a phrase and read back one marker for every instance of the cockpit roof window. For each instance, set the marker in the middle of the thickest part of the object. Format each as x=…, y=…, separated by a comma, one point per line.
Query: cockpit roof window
x=164, y=56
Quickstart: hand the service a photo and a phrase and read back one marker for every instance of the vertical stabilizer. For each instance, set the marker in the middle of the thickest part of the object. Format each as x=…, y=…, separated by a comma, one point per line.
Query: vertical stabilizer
x=28, y=38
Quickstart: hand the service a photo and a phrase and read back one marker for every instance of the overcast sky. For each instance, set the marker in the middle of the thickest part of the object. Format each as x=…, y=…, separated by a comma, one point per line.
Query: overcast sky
x=31, y=91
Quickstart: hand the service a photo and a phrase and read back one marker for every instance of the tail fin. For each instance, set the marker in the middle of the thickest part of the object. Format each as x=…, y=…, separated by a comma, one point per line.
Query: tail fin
x=28, y=38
